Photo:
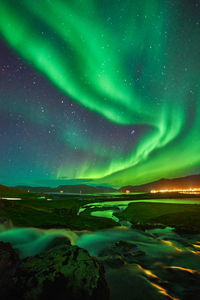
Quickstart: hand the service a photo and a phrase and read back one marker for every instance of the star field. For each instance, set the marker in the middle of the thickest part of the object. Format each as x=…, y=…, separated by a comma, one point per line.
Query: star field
x=100, y=92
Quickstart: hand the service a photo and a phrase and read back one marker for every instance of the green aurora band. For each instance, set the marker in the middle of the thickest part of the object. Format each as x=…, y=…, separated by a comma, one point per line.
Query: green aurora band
x=125, y=62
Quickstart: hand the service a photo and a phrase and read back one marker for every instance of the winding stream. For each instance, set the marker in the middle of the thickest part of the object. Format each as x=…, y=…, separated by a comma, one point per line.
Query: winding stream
x=155, y=264
x=108, y=208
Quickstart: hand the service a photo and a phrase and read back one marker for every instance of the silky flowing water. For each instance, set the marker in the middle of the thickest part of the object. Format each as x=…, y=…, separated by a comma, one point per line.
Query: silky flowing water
x=164, y=262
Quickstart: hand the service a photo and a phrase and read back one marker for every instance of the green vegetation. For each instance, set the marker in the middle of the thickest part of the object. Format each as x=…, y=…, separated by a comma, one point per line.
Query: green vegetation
x=61, y=212
x=145, y=215
x=51, y=214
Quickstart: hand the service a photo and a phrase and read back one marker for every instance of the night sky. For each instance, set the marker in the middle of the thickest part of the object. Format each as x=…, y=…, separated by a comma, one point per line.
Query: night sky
x=97, y=91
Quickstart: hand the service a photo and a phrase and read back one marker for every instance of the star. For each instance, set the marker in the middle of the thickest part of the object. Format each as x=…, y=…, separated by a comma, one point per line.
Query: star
x=132, y=132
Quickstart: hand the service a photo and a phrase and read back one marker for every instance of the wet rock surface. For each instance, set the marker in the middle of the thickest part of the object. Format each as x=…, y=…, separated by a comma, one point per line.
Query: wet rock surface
x=8, y=261
x=179, y=281
x=64, y=272
x=121, y=253
x=5, y=223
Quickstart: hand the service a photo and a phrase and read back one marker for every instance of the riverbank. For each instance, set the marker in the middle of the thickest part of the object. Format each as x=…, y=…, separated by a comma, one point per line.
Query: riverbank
x=92, y=213
x=139, y=252
x=60, y=213
x=183, y=217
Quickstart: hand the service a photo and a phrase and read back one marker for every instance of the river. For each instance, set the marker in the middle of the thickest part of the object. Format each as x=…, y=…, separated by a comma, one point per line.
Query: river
x=151, y=264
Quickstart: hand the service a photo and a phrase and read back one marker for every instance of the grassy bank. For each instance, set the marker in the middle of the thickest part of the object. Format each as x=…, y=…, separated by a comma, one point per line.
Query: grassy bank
x=145, y=215
x=51, y=214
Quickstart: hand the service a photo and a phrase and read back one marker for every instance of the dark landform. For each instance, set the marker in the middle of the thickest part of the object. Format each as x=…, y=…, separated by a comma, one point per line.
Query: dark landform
x=185, y=218
x=63, y=271
x=9, y=191
x=187, y=182
x=164, y=183
x=81, y=188
x=51, y=214
x=61, y=211
x=70, y=272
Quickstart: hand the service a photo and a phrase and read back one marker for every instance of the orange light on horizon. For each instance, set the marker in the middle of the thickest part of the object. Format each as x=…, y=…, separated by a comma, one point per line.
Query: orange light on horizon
x=175, y=190
x=127, y=191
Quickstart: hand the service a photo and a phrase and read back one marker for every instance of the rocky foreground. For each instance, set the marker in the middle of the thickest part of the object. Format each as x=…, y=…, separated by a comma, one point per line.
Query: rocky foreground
x=62, y=272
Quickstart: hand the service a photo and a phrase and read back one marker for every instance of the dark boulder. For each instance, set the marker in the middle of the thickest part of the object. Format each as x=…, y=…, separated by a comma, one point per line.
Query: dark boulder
x=8, y=262
x=120, y=253
x=8, y=258
x=63, y=272
x=5, y=223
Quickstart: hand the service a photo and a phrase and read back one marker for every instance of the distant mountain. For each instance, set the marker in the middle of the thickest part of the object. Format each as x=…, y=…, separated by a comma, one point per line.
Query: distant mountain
x=85, y=189
x=81, y=188
x=5, y=190
x=192, y=181
x=40, y=189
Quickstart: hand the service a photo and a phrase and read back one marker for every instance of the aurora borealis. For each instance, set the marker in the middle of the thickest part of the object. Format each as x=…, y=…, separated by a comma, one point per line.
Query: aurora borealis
x=105, y=92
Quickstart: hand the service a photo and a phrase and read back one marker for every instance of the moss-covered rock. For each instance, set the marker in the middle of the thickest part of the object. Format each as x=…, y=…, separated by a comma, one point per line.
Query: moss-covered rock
x=63, y=272
x=120, y=253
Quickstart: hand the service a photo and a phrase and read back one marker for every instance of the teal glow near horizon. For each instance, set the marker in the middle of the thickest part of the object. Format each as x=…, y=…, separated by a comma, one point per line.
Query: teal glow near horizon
x=133, y=65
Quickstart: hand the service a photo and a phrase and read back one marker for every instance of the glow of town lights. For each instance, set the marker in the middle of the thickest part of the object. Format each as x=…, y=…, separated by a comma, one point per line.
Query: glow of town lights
x=174, y=190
